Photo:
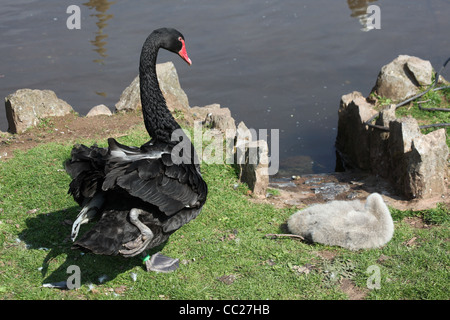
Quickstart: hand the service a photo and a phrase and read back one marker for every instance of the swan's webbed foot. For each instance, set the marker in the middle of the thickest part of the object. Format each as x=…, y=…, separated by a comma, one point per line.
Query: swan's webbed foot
x=161, y=263
x=139, y=244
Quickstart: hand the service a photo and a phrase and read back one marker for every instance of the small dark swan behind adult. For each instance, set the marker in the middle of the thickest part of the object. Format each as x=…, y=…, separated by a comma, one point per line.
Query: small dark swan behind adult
x=139, y=194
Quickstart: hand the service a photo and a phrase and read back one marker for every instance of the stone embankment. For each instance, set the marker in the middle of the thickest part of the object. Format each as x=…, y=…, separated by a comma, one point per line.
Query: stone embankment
x=416, y=164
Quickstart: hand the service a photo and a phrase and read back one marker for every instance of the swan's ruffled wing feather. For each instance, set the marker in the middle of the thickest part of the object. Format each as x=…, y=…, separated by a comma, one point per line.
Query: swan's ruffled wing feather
x=170, y=187
x=86, y=169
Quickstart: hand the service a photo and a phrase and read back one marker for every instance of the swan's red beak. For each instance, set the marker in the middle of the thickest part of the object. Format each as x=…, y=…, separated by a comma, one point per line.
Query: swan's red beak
x=183, y=53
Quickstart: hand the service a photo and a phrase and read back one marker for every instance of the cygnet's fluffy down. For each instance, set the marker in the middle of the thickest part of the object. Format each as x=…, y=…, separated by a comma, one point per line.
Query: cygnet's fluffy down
x=349, y=224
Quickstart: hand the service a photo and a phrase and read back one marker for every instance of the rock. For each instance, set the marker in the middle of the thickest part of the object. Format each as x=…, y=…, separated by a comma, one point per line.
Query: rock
x=414, y=163
x=254, y=172
x=379, y=143
x=418, y=162
x=402, y=133
x=428, y=165
x=201, y=112
x=352, y=142
x=169, y=84
x=252, y=159
x=215, y=117
x=130, y=98
x=242, y=139
x=25, y=108
x=101, y=109
x=243, y=133
x=403, y=77
x=422, y=70
x=222, y=121
x=331, y=190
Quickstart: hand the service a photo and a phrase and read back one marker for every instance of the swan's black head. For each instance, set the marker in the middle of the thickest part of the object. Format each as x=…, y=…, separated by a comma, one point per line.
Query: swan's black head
x=172, y=40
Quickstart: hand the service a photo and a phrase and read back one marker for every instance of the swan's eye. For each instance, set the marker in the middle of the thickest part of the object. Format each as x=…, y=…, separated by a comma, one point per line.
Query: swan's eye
x=180, y=39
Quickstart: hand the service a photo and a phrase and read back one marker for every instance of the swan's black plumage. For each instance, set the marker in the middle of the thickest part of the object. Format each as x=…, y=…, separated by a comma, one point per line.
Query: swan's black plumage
x=111, y=182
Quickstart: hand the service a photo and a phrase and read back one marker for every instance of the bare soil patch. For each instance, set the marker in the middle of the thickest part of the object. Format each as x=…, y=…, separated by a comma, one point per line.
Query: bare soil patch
x=416, y=222
x=69, y=128
x=353, y=292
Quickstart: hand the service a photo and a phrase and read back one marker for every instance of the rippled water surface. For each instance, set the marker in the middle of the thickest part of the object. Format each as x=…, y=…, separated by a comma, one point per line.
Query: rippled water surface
x=276, y=64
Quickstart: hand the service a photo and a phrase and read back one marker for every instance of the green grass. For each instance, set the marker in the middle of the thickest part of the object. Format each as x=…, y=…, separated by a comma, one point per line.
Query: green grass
x=435, y=99
x=227, y=239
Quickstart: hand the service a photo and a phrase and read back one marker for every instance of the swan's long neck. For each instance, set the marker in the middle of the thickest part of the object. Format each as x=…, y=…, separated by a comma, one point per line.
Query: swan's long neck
x=376, y=206
x=158, y=120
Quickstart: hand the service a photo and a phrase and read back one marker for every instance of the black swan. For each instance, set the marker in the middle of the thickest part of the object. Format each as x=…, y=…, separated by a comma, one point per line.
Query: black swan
x=139, y=193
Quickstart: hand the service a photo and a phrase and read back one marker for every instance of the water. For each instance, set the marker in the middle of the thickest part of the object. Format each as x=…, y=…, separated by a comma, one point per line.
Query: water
x=277, y=64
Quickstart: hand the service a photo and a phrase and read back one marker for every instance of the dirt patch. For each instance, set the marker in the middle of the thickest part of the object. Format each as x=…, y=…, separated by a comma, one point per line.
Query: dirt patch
x=352, y=291
x=416, y=222
x=326, y=254
x=69, y=128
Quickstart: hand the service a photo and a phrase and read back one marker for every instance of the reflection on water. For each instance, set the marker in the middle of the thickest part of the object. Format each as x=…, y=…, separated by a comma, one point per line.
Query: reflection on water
x=359, y=10
x=358, y=7
x=101, y=6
